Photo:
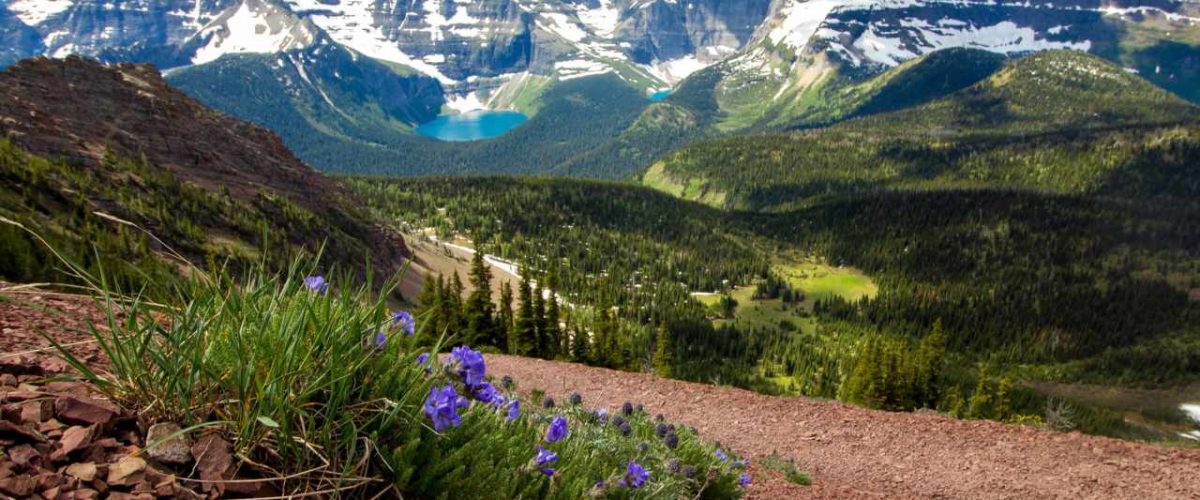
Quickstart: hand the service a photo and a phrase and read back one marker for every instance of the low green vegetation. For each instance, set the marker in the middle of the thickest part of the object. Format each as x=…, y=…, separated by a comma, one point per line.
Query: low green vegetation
x=786, y=467
x=95, y=218
x=320, y=383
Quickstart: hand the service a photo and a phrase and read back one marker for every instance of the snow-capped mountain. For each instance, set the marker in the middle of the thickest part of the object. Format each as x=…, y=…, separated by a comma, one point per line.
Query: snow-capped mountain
x=809, y=46
x=653, y=43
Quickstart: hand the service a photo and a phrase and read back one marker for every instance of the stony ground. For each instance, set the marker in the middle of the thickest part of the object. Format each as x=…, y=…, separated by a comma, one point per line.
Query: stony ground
x=852, y=452
x=63, y=440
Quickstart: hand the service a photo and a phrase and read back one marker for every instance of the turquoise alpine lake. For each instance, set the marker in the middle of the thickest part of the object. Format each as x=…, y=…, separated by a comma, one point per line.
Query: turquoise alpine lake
x=660, y=95
x=471, y=126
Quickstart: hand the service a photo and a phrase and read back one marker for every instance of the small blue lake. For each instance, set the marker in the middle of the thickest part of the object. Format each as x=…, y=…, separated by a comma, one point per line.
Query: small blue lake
x=471, y=126
x=660, y=95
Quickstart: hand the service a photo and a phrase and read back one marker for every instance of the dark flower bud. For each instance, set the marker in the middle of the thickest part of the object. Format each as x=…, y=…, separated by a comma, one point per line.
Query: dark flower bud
x=689, y=471
x=548, y=403
x=506, y=382
x=643, y=447
x=625, y=429
x=659, y=417
x=671, y=440
x=627, y=408
x=618, y=421
x=576, y=399
x=673, y=466
x=661, y=430
x=640, y=408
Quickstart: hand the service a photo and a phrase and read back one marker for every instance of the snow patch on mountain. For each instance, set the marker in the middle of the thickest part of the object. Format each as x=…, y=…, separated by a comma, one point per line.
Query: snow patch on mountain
x=603, y=20
x=34, y=12
x=352, y=23
x=879, y=45
x=252, y=27
x=465, y=103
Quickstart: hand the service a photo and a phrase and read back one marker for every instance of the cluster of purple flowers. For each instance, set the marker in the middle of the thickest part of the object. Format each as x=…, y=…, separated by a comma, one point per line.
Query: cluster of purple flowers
x=468, y=366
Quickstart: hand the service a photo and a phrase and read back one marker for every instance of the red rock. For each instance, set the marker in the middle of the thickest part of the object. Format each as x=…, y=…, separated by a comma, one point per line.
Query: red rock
x=19, y=433
x=47, y=480
x=84, y=471
x=23, y=393
x=73, y=439
x=80, y=494
x=8, y=380
x=82, y=410
x=52, y=425
x=214, y=461
x=18, y=486
x=107, y=443
x=169, y=444
x=127, y=471
x=52, y=493
x=36, y=411
x=24, y=456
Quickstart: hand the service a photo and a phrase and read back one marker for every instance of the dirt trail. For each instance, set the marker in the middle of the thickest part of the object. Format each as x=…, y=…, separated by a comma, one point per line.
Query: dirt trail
x=857, y=453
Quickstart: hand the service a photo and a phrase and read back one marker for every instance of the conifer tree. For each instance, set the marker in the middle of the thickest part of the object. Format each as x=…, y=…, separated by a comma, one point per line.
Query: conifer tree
x=980, y=405
x=506, y=317
x=525, y=326
x=662, y=351
x=1002, y=407
x=930, y=360
x=552, y=333
x=428, y=302
x=478, y=308
x=454, y=306
x=542, y=344
x=579, y=344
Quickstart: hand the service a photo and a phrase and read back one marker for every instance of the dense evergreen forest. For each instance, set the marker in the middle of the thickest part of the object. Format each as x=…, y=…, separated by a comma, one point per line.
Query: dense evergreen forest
x=1031, y=285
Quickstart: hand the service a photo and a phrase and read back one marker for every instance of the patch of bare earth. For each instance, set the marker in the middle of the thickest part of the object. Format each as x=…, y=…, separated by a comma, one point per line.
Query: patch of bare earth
x=852, y=452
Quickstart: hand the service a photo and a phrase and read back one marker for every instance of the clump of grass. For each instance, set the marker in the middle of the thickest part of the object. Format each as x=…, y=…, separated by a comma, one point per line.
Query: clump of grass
x=319, y=385
x=788, y=468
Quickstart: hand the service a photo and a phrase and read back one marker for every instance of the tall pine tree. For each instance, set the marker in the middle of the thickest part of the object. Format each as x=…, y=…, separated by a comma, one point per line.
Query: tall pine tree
x=480, y=327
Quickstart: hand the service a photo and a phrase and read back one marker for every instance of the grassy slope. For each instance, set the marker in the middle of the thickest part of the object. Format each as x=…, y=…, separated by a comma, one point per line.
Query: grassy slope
x=1059, y=121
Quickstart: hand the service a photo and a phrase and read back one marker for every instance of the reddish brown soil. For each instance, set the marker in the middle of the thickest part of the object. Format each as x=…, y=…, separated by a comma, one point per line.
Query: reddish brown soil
x=852, y=452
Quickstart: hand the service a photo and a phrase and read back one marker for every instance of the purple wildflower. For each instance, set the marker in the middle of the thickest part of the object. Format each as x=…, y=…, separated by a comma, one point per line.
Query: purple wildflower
x=689, y=471
x=442, y=407
x=514, y=410
x=601, y=415
x=744, y=480
x=470, y=365
x=405, y=320
x=721, y=455
x=549, y=471
x=485, y=392
x=671, y=440
x=379, y=341
x=545, y=456
x=557, y=430
x=635, y=475
x=317, y=284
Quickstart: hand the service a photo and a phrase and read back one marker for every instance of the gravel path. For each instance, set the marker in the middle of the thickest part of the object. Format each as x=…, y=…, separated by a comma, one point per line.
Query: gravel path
x=852, y=452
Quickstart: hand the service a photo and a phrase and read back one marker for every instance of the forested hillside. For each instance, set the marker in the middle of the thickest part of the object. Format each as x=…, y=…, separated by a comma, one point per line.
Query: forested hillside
x=1041, y=286
x=215, y=190
x=1055, y=121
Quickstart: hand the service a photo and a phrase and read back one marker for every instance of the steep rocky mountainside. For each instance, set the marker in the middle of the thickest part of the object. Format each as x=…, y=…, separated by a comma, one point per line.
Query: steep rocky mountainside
x=82, y=137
